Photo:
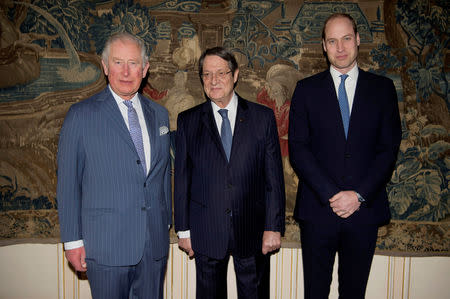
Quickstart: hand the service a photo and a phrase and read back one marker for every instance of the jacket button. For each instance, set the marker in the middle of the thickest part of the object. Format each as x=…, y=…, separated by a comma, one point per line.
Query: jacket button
x=143, y=209
x=228, y=211
x=138, y=161
x=348, y=156
x=145, y=185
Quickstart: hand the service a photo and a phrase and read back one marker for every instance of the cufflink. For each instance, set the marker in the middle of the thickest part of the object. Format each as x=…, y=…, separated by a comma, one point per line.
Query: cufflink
x=360, y=198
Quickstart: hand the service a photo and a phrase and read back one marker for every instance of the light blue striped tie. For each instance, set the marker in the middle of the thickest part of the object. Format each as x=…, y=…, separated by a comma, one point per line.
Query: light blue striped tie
x=225, y=132
x=136, y=133
x=343, y=103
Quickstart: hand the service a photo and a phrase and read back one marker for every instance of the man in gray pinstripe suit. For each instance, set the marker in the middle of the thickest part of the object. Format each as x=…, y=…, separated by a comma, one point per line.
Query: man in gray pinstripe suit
x=114, y=193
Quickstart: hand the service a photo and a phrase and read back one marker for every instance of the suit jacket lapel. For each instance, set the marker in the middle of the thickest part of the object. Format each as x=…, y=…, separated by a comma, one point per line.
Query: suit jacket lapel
x=152, y=129
x=113, y=113
x=330, y=95
x=210, y=124
x=358, y=100
x=241, y=126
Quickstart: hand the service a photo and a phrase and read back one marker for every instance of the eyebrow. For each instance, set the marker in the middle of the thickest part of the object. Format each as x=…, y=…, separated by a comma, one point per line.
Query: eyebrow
x=217, y=71
x=347, y=35
x=122, y=59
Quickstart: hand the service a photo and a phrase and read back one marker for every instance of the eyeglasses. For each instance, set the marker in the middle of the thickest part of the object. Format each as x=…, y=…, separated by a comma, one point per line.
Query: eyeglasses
x=219, y=75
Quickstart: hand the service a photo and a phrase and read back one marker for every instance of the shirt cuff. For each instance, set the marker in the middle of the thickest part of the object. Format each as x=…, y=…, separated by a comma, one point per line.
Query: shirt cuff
x=184, y=234
x=73, y=244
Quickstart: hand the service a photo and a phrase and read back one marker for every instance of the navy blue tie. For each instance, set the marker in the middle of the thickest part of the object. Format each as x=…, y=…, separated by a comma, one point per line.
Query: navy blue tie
x=225, y=132
x=136, y=133
x=343, y=103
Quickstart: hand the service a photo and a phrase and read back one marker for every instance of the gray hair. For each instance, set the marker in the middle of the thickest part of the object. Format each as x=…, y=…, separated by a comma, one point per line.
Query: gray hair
x=124, y=36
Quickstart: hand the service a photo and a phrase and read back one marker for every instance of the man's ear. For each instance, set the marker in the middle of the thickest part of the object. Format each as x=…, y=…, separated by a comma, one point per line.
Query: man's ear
x=145, y=70
x=236, y=75
x=105, y=68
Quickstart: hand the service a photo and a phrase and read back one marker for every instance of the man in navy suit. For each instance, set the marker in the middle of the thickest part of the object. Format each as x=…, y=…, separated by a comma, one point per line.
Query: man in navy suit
x=229, y=189
x=114, y=193
x=344, y=134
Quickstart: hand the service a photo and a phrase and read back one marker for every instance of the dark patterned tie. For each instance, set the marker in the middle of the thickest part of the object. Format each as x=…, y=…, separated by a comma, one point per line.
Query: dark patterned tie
x=343, y=103
x=225, y=132
x=136, y=133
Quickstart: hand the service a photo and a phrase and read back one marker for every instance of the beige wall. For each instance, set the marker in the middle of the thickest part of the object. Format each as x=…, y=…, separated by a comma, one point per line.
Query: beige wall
x=40, y=271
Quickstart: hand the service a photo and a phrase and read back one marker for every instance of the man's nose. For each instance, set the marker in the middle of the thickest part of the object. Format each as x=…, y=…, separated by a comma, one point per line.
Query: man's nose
x=126, y=69
x=214, y=78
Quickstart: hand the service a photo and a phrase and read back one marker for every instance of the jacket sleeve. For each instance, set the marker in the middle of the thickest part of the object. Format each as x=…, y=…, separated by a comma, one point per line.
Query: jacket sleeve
x=389, y=137
x=275, y=194
x=70, y=161
x=181, y=179
x=168, y=181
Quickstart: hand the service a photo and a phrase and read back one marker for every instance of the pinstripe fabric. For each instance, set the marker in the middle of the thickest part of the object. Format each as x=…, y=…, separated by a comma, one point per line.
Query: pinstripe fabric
x=208, y=187
x=104, y=198
x=144, y=280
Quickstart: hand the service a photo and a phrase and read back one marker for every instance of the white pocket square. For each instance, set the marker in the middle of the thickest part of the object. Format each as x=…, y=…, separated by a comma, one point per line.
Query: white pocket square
x=163, y=130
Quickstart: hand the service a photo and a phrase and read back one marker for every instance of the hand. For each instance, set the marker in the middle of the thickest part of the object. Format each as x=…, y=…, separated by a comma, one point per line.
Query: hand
x=345, y=203
x=185, y=245
x=76, y=258
x=271, y=241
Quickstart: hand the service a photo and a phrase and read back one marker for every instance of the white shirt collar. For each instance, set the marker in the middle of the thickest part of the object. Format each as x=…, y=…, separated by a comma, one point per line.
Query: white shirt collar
x=352, y=74
x=119, y=100
x=232, y=112
x=350, y=83
x=232, y=105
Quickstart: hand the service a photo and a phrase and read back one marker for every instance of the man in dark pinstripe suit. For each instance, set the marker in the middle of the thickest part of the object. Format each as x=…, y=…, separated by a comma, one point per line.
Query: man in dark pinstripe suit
x=114, y=193
x=229, y=188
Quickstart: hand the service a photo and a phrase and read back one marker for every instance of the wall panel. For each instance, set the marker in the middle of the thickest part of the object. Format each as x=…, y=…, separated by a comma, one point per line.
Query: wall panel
x=35, y=271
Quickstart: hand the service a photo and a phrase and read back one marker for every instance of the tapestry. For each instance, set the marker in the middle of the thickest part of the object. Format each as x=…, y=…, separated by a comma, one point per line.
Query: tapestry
x=49, y=59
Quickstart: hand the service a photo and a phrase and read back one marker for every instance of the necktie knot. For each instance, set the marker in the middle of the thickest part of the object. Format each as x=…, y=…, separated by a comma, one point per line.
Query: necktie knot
x=223, y=113
x=129, y=104
x=343, y=77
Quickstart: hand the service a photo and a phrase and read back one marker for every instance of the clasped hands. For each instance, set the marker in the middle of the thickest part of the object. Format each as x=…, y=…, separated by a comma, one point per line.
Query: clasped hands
x=344, y=203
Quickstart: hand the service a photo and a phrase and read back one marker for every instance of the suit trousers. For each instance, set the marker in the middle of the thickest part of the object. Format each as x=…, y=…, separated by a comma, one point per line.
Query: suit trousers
x=252, y=275
x=355, y=246
x=141, y=281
